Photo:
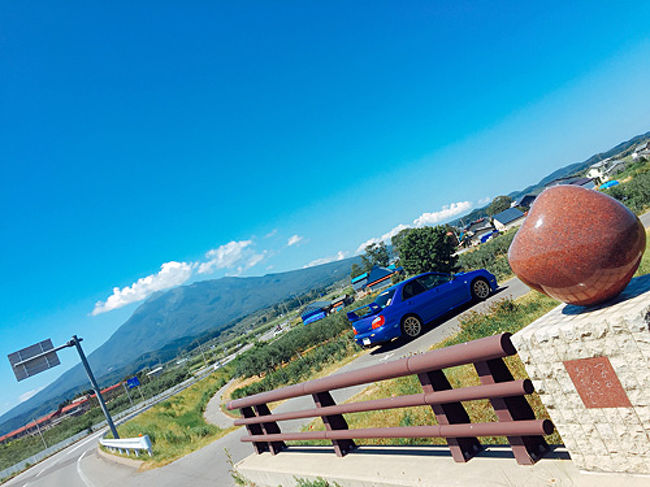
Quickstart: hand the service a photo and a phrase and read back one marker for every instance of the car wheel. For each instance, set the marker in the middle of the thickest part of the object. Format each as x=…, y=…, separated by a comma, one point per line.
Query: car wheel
x=411, y=326
x=480, y=289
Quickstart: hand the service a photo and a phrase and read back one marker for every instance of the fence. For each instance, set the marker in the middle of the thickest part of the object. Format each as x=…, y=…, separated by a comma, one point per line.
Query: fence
x=516, y=419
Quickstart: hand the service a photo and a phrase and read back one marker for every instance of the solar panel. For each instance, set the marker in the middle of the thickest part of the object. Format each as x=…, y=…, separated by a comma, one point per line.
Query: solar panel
x=28, y=367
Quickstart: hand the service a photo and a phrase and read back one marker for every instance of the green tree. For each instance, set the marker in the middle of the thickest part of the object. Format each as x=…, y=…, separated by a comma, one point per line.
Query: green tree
x=428, y=249
x=355, y=271
x=499, y=204
x=376, y=254
x=396, y=240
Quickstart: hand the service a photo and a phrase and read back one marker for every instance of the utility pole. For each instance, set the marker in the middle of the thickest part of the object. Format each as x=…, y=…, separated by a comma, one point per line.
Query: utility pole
x=126, y=389
x=205, y=362
x=39, y=432
x=76, y=342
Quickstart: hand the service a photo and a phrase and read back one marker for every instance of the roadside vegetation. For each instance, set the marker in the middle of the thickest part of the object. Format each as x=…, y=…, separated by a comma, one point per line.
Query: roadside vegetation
x=504, y=316
x=176, y=426
x=492, y=255
x=298, y=354
x=635, y=194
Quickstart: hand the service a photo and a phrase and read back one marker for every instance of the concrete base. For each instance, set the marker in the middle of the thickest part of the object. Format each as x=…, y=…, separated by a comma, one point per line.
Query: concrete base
x=129, y=462
x=422, y=466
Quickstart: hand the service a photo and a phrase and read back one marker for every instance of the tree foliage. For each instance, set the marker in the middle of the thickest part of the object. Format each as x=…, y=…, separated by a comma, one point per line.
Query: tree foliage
x=376, y=254
x=634, y=194
x=499, y=204
x=355, y=270
x=428, y=249
x=396, y=240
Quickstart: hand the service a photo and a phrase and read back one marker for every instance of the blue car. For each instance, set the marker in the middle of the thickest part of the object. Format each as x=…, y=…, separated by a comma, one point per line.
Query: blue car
x=402, y=309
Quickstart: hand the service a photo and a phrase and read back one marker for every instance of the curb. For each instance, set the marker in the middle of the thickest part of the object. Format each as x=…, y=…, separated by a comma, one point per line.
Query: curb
x=129, y=462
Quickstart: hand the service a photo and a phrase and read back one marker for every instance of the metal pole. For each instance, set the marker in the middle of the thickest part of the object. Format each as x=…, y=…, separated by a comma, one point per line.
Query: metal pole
x=39, y=432
x=205, y=362
x=95, y=386
x=127, y=393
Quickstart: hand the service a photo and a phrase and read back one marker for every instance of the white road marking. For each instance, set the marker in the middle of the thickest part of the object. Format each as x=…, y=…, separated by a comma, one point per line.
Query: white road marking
x=83, y=477
x=386, y=357
x=82, y=443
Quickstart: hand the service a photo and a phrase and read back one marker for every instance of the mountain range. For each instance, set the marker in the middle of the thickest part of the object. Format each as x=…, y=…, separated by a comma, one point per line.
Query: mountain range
x=170, y=320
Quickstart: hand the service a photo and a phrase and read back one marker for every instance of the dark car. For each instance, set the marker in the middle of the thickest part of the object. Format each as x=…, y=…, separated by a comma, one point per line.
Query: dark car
x=402, y=309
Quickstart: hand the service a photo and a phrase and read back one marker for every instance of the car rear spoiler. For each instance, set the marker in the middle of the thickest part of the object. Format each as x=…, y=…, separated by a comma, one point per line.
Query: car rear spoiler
x=373, y=309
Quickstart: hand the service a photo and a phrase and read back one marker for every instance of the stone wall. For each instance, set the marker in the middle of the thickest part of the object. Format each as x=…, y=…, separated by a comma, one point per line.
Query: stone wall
x=601, y=412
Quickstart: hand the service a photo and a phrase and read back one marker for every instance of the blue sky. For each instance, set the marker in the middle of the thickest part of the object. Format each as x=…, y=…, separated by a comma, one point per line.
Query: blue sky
x=148, y=145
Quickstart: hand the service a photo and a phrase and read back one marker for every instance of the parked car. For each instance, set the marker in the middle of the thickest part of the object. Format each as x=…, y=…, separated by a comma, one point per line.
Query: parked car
x=402, y=309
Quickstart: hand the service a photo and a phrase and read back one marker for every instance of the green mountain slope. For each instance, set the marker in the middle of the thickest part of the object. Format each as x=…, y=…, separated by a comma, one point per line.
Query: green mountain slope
x=169, y=320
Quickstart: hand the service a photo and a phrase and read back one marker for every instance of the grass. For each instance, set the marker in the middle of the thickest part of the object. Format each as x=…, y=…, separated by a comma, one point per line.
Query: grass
x=504, y=316
x=176, y=426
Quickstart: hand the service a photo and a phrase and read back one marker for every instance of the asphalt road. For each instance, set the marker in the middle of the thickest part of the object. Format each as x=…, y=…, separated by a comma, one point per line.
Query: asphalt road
x=80, y=466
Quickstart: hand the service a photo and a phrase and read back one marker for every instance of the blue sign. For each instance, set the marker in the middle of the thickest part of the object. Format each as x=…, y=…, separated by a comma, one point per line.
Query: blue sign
x=132, y=382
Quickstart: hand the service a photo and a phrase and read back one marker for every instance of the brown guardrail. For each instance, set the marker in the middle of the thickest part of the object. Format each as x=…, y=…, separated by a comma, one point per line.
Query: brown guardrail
x=516, y=419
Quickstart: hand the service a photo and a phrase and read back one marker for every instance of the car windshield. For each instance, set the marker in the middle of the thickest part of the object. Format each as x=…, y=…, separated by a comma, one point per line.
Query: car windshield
x=385, y=298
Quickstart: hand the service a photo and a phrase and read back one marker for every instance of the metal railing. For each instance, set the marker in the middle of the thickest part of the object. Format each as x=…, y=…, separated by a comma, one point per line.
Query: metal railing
x=126, y=444
x=516, y=419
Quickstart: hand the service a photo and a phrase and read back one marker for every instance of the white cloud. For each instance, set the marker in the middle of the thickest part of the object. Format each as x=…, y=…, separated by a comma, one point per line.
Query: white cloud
x=340, y=255
x=447, y=212
x=171, y=274
x=293, y=240
x=384, y=238
x=27, y=395
x=271, y=233
x=255, y=259
x=484, y=201
x=225, y=256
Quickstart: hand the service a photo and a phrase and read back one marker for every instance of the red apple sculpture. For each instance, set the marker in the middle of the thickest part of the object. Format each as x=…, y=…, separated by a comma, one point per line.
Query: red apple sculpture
x=577, y=245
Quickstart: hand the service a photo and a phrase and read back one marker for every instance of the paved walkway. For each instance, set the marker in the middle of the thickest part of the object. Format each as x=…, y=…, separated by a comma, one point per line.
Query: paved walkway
x=213, y=413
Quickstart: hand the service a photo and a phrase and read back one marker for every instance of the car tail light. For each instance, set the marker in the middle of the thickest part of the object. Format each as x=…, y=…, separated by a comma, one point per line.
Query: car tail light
x=377, y=322
x=355, y=330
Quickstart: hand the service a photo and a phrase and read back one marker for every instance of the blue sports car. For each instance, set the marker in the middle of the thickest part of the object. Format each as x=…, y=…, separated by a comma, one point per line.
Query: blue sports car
x=402, y=309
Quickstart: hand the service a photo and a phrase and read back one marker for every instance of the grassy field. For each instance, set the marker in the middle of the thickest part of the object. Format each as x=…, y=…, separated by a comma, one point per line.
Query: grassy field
x=176, y=426
x=504, y=316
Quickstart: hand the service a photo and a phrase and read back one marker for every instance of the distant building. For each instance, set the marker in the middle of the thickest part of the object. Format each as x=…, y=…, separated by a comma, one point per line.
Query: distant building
x=315, y=311
x=359, y=282
x=340, y=302
x=507, y=219
x=525, y=200
x=75, y=408
x=375, y=279
x=642, y=151
x=583, y=182
x=604, y=170
x=478, y=229
x=157, y=371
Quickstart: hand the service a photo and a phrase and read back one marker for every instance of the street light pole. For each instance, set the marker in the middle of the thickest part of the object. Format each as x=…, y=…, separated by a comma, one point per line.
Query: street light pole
x=76, y=342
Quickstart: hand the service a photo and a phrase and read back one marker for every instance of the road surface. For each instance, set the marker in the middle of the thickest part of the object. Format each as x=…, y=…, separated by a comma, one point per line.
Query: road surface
x=80, y=466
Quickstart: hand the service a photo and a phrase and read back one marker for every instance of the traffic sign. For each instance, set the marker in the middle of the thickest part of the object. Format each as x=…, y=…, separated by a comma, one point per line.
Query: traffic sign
x=132, y=382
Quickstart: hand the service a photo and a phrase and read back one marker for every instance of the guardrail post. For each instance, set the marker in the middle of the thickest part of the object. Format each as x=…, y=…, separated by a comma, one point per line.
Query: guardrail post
x=254, y=429
x=334, y=422
x=526, y=449
x=462, y=449
x=270, y=428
